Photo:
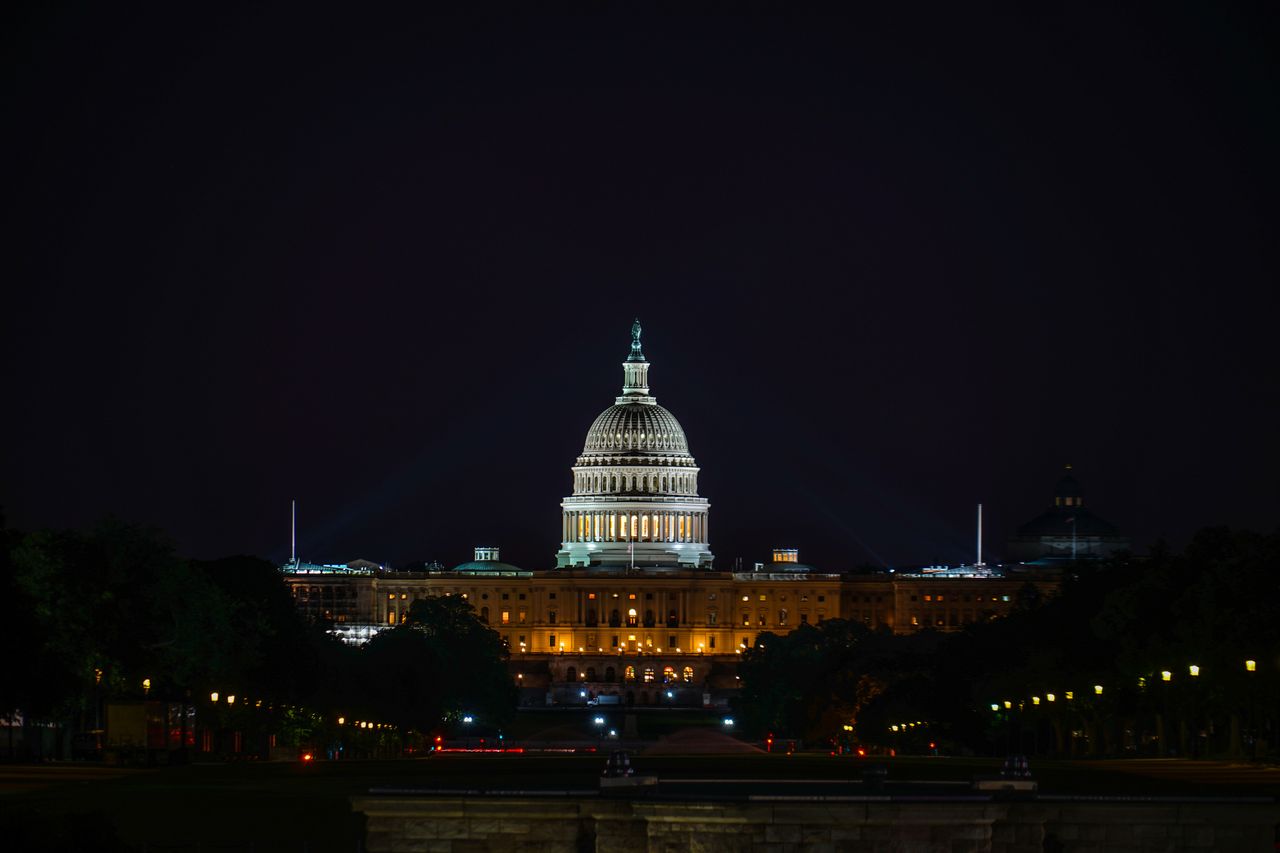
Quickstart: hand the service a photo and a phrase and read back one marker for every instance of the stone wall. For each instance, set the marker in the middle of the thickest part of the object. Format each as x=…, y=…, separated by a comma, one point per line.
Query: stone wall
x=399, y=824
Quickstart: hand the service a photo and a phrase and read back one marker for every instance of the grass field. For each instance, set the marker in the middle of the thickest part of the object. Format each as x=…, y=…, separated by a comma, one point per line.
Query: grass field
x=291, y=807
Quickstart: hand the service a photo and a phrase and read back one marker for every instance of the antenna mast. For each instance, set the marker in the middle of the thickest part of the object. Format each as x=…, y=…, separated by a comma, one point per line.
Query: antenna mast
x=293, y=531
x=979, y=563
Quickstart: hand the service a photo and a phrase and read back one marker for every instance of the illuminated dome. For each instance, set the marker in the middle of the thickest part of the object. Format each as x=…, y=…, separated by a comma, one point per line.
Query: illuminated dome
x=628, y=427
x=635, y=496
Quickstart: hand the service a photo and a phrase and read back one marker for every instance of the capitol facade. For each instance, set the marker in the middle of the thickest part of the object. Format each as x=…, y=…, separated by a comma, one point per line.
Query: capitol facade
x=633, y=610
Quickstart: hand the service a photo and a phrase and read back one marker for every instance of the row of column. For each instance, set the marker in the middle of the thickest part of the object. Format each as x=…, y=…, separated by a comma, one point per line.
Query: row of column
x=663, y=526
x=603, y=604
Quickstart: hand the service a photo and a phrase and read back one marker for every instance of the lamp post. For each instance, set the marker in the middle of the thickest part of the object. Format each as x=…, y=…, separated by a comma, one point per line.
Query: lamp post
x=1251, y=667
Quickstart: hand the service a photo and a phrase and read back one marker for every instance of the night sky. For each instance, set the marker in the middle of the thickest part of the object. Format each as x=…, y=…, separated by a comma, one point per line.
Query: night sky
x=886, y=268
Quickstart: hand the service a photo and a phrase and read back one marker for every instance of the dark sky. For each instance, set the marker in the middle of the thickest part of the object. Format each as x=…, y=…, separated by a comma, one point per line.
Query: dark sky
x=887, y=269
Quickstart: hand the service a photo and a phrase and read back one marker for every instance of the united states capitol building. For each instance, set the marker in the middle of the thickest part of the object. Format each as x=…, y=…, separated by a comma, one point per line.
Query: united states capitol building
x=634, y=611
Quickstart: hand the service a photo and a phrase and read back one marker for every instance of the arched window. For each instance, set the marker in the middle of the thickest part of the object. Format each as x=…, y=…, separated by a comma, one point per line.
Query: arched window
x=629, y=674
x=631, y=617
x=571, y=674
x=668, y=674
x=665, y=483
x=688, y=675
x=609, y=674
x=649, y=675
x=591, y=673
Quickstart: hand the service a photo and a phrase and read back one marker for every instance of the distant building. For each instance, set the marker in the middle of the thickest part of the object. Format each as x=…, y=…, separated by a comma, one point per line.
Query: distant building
x=633, y=611
x=1066, y=531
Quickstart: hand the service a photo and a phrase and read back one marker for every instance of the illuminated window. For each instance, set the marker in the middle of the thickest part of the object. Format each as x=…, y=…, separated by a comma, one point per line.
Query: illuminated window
x=591, y=596
x=915, y=620
x=762, y=618
x=649, y=675
x=631, y=596
x=506, y=617
x=764, y=597
x=746, y=619
x=668, y=674
x=928, y=598
x=629, y=674
x=688, y=674
x=524, y=615
x=632, y=618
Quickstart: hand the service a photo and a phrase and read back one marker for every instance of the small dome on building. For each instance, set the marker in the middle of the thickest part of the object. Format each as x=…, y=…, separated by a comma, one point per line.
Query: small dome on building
x=786, y=560
x=486, y=561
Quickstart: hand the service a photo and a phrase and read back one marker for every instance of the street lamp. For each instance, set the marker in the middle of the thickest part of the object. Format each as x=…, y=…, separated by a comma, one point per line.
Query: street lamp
x=231, y=700
x=1166, y=675
x=213, y=697
x=1097, y=689
x=146, y=685
x=1251, y=666
x=1194, y=670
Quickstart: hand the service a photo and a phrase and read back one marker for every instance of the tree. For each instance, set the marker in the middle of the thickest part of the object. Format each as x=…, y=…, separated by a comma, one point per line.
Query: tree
x=440, y=664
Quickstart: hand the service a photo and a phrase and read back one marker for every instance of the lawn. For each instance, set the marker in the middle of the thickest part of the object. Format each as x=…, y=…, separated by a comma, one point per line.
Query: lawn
x=292, y=807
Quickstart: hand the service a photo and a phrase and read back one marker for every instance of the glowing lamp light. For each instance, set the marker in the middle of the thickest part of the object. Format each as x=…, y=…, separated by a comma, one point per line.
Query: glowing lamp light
x=146, y=684
x=1251, y=666
x=1097, y=689
x=342, y=721
x=599, y=721
x=1007, y=704
x=1050, y=697
x=1194, y=670
x=1166, y=675
x=1035, y=700
x=213, y=697
x=613, y=732
x=728, y=722
x=468, y=719
x=1070, y=695
x=231, y=700
x=995, y=706
x=893, y=728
